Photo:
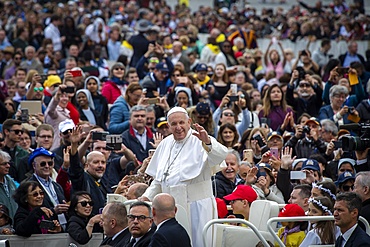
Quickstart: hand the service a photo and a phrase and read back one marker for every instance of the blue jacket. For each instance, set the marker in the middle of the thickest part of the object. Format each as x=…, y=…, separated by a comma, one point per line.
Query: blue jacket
x=326, y=112
x=119, y=116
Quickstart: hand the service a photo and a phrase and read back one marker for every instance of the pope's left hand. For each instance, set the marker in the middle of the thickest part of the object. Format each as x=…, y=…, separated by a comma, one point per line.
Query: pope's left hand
x=202, y=134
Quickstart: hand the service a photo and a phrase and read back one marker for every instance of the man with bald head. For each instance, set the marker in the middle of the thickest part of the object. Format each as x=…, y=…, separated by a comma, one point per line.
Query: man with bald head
x=136, y=190
x=169, y=232
x=178, y=56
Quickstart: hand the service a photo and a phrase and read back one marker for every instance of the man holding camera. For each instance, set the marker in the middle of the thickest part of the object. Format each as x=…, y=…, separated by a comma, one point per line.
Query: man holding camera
x=309, y=91
x=306, y=140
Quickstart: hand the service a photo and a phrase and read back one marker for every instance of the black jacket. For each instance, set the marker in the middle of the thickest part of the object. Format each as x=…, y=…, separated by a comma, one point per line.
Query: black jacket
x=76, y=228
x=311, y=106
x=98, y=119
x=119, y=241
x=358, y=238
x=82, y=181
x=145, y=240
x=343, y=57
x=365, y=212
x=27, y=222
x=140, y=45
x=223, y=186
x=170, y=234
x=131, y=142
x=303, y=148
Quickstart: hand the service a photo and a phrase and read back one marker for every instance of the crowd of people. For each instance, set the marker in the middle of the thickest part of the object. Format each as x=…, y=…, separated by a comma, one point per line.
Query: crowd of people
x=123, y=97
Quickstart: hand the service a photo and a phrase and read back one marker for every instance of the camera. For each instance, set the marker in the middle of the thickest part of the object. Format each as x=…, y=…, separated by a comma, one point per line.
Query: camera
x=101, y=136
x=114, y=142
x=301, y=73
x=306, y=129
x=351, y=110
x=356, y=143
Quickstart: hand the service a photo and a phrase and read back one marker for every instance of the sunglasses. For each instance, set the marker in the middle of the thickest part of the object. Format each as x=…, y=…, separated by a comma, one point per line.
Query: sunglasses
x=347, y=187
x=154, y=61
x=304, y=85
x=141, y=218
x=228, y=114
x=119, y=68
x=36, y=194
x=38, y=89
x=17, y=132
x=203, y=116
x=177, y=75
x=44, y=163
x=164, y=73
x=9, y=104
x=151, y=68
x=84, y=203
x=233, y=201
x=66, y=132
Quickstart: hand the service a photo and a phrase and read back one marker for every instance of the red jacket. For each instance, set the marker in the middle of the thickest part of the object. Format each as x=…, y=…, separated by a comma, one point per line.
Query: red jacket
x=110, y=91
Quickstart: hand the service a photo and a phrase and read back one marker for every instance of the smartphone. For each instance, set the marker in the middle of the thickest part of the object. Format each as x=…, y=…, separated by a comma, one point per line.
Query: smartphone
x=76, y=73
x=337, y=144
x=101, y=136
x=47, y=224
x=113, y=142
x=274, y=152
x=153, y=101
x=68, y=90
x=258, y=138
x=151, y=152
x=295, y=175
x=234, y=89
x=24, y=115
x=264, y=122
x=233, y=98
x=342, y=70
x=248, y=155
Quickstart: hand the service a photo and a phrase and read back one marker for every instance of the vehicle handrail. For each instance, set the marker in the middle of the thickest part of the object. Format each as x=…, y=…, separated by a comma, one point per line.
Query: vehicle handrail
x=304, y=218
x=241, y=221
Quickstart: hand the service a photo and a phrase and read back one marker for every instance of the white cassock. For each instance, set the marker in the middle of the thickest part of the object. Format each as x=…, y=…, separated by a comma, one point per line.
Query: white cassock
x=183, y=169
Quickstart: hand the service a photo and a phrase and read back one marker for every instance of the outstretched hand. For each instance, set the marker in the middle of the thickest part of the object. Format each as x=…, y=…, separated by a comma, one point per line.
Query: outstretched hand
x=157, y=138
x=202, y=134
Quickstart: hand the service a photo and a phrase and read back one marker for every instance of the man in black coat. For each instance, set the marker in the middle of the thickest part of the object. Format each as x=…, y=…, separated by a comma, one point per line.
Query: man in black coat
x=139, y=42
x=169, y=232
x=114, y=222
x=140, y=225
x=346, y=212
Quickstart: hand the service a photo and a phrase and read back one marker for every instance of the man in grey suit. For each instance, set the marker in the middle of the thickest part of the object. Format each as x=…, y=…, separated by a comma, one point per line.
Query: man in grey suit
x=31, y=62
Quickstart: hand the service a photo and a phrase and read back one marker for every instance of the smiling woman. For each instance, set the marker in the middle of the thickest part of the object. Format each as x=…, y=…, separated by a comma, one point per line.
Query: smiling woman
x=87, y=109
x=30, y=213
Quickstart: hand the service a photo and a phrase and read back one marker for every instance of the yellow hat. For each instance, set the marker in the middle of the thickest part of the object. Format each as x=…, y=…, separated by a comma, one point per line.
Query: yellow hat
x=52, y=80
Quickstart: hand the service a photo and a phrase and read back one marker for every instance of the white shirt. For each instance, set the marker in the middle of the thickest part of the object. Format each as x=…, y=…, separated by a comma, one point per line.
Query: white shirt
x=141, y=138
x=52, y=32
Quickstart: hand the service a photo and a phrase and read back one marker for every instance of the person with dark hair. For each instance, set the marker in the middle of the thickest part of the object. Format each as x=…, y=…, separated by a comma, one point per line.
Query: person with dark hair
x=12, y=132
x=81, y=223
x=228, y=135
x=361, y=187
x=346, y=212
x=22, y=39
x=52, y=32
x=71, y=34
x=114, y=222
x=31, y=212
x=321, y=56
x=7, y=185
x=140, y=221
x=139, y=42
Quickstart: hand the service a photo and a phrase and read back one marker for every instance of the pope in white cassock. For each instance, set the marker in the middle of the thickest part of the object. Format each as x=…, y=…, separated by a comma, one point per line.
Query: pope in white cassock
x=182, y=166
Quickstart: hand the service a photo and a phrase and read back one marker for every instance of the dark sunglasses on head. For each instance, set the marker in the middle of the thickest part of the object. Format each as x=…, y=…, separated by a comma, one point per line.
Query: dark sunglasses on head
x=36, y=194
x=44, y=163
x=84, y=203
x=347, y=187
x=17, y=132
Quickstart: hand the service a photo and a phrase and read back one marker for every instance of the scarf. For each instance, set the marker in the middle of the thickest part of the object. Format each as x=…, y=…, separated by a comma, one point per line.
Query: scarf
x=117, y=81
x=287, y=231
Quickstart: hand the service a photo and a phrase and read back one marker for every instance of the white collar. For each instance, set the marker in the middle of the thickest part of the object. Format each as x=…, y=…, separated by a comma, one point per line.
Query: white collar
x=118, y=233
x=349, y=232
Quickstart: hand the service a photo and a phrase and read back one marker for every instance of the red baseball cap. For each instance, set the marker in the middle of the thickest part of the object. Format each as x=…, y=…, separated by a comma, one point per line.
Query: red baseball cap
x=221, y=208
x=242, y=192
x=292, y=210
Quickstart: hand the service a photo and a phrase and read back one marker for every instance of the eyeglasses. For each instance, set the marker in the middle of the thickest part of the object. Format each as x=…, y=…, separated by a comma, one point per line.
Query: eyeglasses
x=153, y=60
x=44, y=163
x=347, y=187
x=203, y=116
x=66, y=132
x=304, y=85
x=17, y=58
x=36, y=194
x=44, y=137
x=119, y=68
x=151, y=68
x=17, y=132
x=340, y=96
x=21, y=87
x=140, y=218
x=6, y=103
x=38, y=89
x=176, y=75
x=5, y=163
x=84, y=203
x=164, y=73
x=228, y=114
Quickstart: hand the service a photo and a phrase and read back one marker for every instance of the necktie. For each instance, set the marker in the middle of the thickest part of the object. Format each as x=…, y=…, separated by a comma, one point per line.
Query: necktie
x=132, y=242
x=340, y=241
x=107, y=241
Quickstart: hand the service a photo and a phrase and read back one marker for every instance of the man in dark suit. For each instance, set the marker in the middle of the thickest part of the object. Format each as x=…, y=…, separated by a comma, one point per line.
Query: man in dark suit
x=346, y=213
x=169, y=232
x=179, y=56
x=140, y=225
x=42, y=162
x=114, y=223
x=139, y=42
x=362, y=188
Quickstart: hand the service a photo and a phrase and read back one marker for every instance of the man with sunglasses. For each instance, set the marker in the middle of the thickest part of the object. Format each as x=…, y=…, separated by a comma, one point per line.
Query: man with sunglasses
x=310, y=95
x=345, y=182
x=42, y=162
x=12, y=131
